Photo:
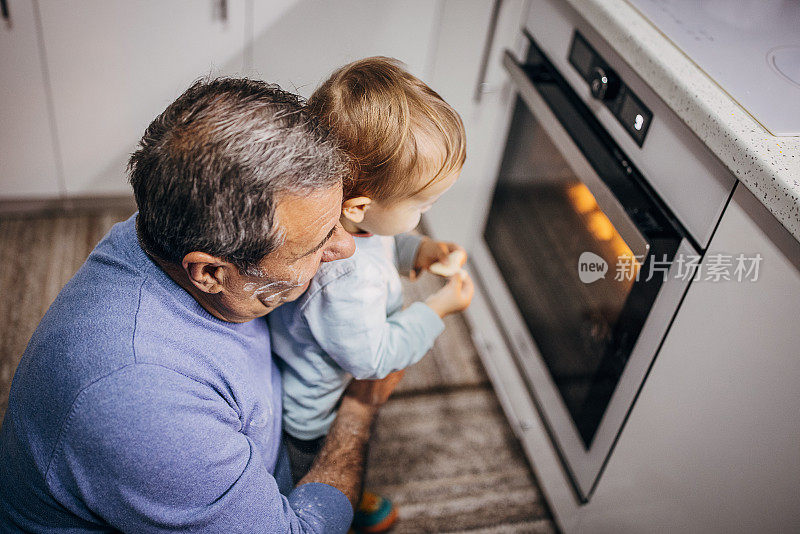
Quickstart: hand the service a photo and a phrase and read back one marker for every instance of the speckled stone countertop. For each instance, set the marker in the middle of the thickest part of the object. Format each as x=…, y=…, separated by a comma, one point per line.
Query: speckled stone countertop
x=769, y=166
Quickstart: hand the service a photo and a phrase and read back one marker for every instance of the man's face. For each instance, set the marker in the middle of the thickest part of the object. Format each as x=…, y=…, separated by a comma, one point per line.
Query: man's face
x=312, y=235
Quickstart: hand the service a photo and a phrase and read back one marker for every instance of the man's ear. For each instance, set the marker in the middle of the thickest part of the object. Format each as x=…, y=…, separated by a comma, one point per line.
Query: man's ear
x=353, y=208
x=205, y=271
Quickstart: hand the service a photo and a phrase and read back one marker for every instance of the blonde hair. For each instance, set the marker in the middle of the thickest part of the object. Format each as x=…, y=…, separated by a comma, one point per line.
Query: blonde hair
x=395, y=128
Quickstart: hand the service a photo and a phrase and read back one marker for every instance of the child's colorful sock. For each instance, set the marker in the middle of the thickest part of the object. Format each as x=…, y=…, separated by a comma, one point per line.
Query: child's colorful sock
x=374, y=514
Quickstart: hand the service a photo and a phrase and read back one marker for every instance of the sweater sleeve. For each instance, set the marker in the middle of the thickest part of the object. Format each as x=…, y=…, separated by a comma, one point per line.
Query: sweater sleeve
x=146, y=449
x=348, y=320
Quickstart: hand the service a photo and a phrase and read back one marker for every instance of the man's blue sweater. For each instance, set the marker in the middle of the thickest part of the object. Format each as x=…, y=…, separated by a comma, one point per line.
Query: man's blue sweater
x=134, y=409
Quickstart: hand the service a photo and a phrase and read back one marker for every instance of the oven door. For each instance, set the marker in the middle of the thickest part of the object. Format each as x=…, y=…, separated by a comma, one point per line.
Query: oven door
x=578, y=259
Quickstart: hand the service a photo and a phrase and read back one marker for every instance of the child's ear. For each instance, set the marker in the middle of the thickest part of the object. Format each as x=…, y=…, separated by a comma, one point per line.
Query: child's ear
x=353, y=208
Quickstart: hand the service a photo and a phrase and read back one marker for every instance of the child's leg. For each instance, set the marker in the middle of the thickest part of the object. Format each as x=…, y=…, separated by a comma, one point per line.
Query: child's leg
x=301, y=454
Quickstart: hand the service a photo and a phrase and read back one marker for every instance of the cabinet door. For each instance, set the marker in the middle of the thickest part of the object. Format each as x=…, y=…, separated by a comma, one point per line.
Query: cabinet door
x=298, y=44
x=472, y=34
x=28, y=164
x=114, y=65
x=712, y=443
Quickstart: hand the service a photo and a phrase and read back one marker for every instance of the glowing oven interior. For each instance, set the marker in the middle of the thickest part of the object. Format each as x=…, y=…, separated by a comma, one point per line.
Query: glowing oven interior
x=542, y=219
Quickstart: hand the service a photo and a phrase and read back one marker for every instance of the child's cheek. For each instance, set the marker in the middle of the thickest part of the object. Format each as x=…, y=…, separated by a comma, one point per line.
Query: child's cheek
x=412, y=220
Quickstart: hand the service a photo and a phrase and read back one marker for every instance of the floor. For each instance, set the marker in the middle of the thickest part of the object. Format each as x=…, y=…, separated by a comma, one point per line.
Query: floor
x=442, y=450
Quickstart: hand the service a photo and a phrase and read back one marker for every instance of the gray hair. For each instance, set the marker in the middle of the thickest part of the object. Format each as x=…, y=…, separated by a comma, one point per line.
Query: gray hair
x=209, y=170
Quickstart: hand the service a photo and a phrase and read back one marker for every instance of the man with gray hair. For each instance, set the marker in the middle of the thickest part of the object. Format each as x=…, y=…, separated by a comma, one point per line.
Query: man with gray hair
x=147, y=399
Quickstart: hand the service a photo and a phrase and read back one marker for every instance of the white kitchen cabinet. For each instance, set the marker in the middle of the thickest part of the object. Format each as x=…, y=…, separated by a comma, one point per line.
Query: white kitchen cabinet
x=114, y=65
x=298, y=44
x=456, y=75
x=28, y=166
x=713, y=441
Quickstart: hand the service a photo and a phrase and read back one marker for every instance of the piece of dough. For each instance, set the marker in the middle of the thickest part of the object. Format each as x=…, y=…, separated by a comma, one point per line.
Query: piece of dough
x=451, y=266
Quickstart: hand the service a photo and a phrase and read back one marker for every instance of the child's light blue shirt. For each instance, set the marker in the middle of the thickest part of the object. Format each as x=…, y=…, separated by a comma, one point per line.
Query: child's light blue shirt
x=350, y=322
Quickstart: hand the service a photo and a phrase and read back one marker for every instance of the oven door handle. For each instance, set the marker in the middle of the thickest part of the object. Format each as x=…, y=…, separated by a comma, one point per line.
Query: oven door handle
x=575, y=159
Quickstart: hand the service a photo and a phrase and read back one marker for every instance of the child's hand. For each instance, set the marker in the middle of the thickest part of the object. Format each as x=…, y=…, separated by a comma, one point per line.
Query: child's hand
x=453, y=297
x=431, y=252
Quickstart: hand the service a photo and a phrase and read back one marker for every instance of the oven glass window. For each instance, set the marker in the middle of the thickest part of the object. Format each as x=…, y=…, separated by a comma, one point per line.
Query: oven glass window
x=569, y=271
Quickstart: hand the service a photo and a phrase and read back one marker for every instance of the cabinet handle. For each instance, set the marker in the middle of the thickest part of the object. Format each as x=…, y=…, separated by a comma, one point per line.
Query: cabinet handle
x=5, y=13
x=487, y=50
x=221, y=10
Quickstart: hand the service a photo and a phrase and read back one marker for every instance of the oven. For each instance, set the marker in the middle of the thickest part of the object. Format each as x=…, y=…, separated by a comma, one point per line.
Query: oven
x=583, y=261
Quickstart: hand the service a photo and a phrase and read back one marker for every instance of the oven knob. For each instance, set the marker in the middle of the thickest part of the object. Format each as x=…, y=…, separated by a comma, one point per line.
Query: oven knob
x=604, y=84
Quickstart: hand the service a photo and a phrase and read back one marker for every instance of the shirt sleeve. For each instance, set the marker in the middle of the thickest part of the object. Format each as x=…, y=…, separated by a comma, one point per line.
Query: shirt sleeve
x=146, y=449
x=406, y=247
x=348, y=320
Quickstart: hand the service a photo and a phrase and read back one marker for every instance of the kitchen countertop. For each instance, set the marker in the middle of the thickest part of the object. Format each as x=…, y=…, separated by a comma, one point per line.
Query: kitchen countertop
x=768, y=165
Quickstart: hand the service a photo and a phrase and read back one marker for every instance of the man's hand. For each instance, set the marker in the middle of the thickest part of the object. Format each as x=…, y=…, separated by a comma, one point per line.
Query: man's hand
x=341, y=461
x=373, y=393
x=430, y=252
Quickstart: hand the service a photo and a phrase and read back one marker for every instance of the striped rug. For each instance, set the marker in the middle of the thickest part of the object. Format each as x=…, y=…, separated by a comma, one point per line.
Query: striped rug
x=443, y=451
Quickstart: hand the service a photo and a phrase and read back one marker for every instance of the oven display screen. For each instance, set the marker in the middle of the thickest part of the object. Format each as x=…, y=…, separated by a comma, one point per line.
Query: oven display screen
x=635, y=117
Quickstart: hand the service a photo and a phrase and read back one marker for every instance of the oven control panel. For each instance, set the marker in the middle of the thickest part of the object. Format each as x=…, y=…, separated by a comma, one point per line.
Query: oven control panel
x=607, y=87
